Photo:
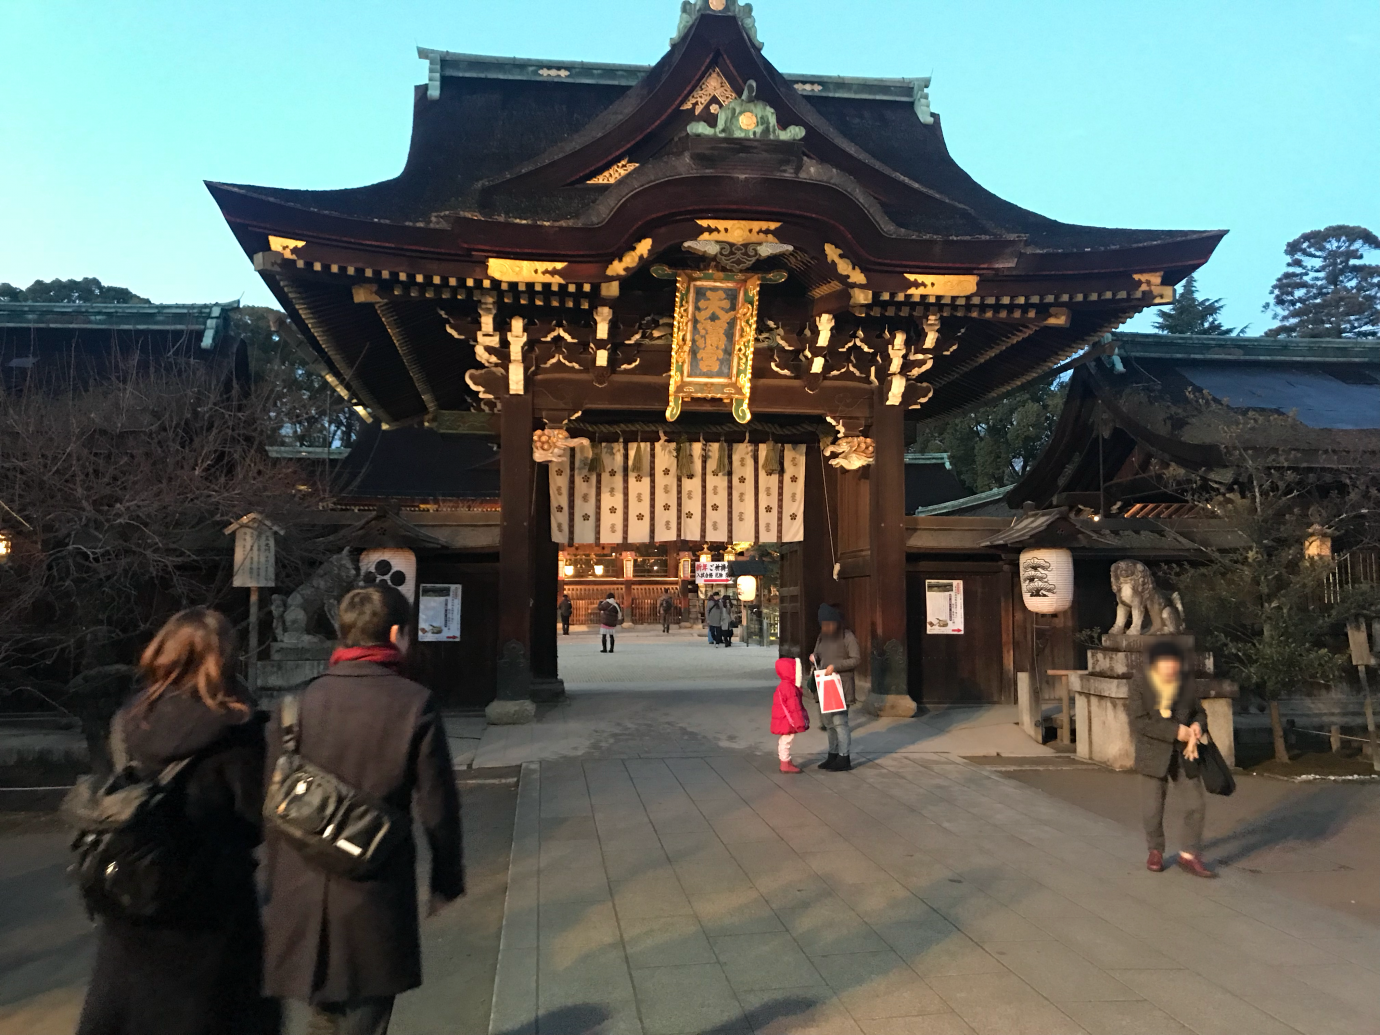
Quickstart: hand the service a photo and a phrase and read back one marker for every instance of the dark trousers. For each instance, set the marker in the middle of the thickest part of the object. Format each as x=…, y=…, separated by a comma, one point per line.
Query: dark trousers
x=666, y=621
x=565, y=626
x=1153, y=791
x=361, y=1017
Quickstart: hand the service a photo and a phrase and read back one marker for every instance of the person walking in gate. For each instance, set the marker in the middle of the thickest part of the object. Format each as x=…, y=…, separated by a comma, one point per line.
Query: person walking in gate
x=788, y=711
x=1169, y=723
x=837, y=651
x=197, y=972
x=712, y=610
x=666, y=605
x=565, y=609
x=348, y=947
x=726, y=611
x=610, y=618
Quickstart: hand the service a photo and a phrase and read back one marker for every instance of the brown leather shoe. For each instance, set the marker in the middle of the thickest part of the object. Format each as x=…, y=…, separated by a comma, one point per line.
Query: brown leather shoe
x=1155, y=862
x=1192, y=864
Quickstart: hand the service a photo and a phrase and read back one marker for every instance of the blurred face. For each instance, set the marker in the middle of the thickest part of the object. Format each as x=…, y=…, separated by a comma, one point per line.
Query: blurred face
x=1167, y=669
x=829, y=628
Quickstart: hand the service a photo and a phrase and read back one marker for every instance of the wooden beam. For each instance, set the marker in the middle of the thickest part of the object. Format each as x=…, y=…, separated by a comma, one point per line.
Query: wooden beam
x=515, y=564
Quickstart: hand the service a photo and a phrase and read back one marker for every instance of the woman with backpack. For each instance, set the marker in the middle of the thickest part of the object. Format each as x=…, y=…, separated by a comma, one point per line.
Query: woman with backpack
x=190, y=964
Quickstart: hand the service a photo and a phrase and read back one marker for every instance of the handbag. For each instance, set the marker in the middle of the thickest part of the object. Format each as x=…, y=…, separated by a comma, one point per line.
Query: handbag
x=332, y=825
x=1213, y=768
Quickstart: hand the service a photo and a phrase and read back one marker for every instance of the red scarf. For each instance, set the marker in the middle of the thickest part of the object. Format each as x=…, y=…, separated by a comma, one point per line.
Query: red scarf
x=384, y=654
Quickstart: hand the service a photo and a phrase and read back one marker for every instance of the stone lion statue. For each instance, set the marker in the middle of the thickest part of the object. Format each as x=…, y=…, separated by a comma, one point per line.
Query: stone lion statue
x=1137, y=597
x=293, y=614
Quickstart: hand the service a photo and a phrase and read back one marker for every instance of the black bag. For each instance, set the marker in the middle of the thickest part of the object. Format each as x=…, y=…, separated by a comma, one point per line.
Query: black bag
x=332, y=825
x=137, y=857
x=1213, y=768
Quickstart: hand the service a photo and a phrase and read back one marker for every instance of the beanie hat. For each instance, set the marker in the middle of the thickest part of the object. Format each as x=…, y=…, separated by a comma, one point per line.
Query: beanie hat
x=830, y=613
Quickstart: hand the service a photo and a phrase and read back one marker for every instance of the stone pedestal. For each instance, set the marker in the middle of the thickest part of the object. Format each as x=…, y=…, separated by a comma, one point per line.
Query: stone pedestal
x=1100, y=696
x=291, y=664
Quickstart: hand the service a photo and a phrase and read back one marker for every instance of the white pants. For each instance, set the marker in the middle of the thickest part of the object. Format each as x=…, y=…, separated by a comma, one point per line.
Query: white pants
x=783, y=746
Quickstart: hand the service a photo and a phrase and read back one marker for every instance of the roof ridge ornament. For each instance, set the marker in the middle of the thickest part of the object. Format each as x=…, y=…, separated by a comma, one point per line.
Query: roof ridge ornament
x=690, y=10
x=746, y=117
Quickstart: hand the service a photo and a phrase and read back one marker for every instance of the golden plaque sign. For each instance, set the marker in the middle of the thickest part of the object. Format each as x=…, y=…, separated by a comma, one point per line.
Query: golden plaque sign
x=715, y=331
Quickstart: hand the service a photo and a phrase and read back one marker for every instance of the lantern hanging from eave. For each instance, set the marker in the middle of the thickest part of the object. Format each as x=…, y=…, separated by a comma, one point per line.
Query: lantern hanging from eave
x=1047, y=580
x=390, y=566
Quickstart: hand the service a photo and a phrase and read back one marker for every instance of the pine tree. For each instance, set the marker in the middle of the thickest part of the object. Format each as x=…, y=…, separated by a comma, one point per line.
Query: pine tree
x=88, y=289
x=1192, y=315
x=1328, y=289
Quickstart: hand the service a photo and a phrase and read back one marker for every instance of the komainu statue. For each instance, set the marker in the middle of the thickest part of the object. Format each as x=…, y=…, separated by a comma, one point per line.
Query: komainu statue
x=1137, y=597
x=295, y=613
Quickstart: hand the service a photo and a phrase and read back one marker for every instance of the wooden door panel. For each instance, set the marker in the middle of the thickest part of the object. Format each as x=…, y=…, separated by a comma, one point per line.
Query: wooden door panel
x=962, y=669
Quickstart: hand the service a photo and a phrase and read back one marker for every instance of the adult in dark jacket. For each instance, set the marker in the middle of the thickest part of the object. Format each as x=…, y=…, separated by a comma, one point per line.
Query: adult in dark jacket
x=348, y=947
x=199, y=974
x=565, y=609
x=837, y=652
x=1169, y=723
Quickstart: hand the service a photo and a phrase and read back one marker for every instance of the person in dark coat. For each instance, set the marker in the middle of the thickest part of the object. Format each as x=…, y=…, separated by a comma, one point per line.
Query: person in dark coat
x=348, y=947
x=565, y=609
x=837, y=651
x=199, y=974
x=1169, y=723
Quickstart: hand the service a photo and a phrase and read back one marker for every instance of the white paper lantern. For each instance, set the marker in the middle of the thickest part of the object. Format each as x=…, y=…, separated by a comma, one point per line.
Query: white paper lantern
x=390, y=566
x=1047, y=580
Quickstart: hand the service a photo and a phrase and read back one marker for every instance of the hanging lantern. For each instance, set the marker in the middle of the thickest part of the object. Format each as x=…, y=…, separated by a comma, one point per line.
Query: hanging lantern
x=390, y=566
x=6, y=547
x=747, y=588
x=1318, y=545
x=1047, y=580
x=569, y=570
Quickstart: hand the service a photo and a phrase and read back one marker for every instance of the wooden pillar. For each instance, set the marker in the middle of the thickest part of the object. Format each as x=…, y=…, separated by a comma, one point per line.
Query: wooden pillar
x=546, y=557
x=887, y=514
x=817, y=585
x=516, y=564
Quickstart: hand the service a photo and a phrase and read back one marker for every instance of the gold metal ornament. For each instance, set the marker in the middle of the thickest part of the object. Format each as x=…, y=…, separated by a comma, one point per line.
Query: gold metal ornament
x=713, y=337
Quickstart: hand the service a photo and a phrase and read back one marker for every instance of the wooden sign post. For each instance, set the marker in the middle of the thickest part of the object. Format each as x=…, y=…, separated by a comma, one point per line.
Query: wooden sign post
x=255, y=561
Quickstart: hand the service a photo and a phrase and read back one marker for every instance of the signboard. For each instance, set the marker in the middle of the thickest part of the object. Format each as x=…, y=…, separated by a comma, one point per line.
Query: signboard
x=944, y=606
x=438, y=612
x=712, y=571
x=254, y=555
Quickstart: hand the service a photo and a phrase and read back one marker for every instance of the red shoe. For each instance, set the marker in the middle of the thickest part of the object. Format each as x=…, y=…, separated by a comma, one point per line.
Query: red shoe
x=1155, y=863
x=1192, y=864
x=789, y=767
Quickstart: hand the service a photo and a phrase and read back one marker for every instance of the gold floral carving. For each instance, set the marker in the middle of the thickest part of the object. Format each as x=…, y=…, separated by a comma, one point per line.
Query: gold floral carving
x=713, y=87
x=634, y=255
x=844, y=265
x=942, y=283
x=284, y=246
x=614, y=172
x=738, y=231
x=527, y=271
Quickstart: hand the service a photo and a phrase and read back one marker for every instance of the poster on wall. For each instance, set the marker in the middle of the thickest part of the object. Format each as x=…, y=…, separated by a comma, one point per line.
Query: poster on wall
x=438, y=612
x=944, y=606
x=711, y=571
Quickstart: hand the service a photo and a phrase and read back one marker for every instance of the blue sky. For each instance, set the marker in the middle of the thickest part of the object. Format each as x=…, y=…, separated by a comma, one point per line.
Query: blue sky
x=1261, y=117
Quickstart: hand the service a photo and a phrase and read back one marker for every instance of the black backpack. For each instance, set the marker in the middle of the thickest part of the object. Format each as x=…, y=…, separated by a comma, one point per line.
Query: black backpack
x=332, y=825
x=137, y=856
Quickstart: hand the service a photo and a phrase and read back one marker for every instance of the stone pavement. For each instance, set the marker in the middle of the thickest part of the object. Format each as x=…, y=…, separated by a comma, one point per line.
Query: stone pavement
x=916, y=894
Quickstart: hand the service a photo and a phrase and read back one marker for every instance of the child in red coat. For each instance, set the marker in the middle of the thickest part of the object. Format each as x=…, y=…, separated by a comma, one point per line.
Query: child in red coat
x=788, y=711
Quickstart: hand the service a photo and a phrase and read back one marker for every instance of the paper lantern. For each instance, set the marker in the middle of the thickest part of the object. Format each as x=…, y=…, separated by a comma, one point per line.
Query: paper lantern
x=747, y=588
x=390, y=566
x=1047, y=580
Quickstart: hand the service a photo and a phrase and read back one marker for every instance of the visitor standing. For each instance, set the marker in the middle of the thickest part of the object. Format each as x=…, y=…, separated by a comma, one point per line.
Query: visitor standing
x=788, y=711
x=666, y=606
x=1170, y=723
x=565, y=609
x=837, y=651
x=610, y=618
x=726, y=612
x=348, y=947
x=712, y=611
x=197, y=972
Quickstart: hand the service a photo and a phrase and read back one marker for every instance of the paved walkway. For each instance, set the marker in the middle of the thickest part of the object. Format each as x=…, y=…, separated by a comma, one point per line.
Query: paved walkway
x=918, y=894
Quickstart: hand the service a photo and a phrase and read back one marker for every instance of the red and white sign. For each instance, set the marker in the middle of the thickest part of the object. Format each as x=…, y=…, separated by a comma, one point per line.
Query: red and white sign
x=830, y=693
x=711, y=571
